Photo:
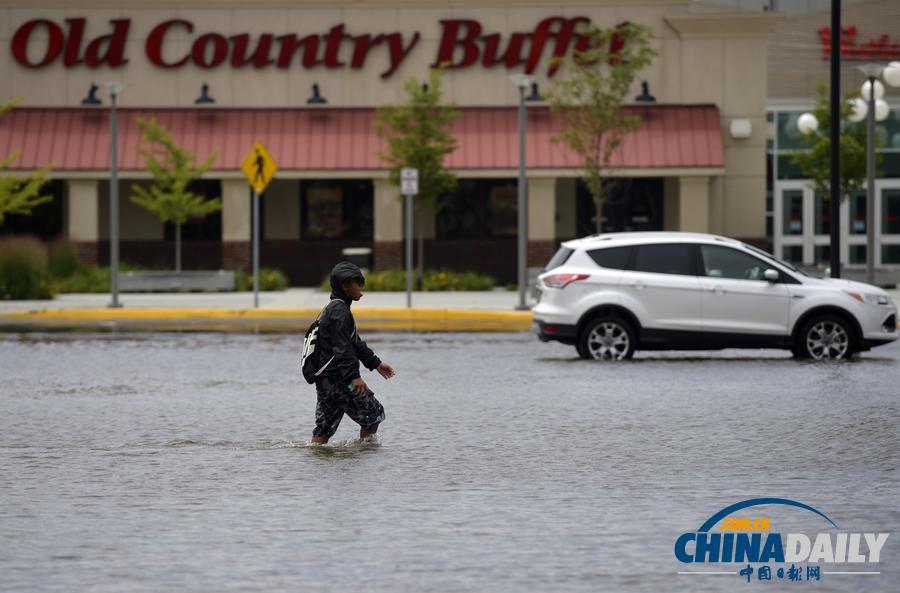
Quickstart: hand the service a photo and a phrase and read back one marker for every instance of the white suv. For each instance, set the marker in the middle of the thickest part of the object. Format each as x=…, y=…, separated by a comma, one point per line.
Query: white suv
x=611, y=294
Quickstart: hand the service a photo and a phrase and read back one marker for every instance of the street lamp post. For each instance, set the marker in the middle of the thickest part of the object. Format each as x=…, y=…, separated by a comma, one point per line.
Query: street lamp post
x=871, y=107
x=522, y=82
x=114, y=89
x=876, y=109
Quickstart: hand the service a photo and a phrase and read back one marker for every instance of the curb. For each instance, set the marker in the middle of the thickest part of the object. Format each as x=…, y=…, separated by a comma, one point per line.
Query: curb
x=264, y=320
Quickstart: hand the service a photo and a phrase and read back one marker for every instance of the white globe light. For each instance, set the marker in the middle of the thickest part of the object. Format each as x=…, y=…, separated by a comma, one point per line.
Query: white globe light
x=879, y=90
x=807, y=123
x=882, y=110
x=860, y=109
x=891, y=74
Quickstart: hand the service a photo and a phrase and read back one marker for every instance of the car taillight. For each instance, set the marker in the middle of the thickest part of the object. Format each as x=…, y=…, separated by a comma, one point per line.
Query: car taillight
x=563, y=280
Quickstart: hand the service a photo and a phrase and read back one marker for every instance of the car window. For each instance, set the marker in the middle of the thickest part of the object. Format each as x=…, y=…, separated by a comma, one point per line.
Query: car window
x=724, y=262
x=615, y=258
x=559, y=258
x=664, y=258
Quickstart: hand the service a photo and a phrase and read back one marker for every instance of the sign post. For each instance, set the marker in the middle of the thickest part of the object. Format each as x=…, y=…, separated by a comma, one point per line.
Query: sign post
x=409, y=186
x=259, y=169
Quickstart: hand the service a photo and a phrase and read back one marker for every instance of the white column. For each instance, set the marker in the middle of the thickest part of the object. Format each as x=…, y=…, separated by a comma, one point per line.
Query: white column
x=693, y=204
x=84, y=211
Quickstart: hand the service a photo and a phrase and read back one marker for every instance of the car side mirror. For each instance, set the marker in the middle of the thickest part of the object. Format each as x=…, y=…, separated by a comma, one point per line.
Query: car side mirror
x=771, y=275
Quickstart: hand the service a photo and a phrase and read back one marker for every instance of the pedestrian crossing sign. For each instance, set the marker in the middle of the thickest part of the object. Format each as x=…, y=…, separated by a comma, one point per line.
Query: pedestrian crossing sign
x=259, y=168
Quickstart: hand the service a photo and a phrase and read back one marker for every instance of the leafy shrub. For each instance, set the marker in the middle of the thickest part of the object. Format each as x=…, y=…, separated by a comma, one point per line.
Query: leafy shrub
x=269, y=279
x=89, y=279
x=62, y=259
x=435, y=280
x=23, y=269
x=84, y=279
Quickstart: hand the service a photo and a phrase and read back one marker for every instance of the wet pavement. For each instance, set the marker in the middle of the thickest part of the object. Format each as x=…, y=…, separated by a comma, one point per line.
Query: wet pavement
x=179, y=462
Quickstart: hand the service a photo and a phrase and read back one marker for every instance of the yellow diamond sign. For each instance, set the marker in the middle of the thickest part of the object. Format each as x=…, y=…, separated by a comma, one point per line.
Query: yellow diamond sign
x=259, y=167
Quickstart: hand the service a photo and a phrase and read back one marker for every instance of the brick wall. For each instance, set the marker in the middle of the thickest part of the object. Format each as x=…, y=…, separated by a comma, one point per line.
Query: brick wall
x=87, y=251
x=236, y=255
x=540, y=252
x=388, y=254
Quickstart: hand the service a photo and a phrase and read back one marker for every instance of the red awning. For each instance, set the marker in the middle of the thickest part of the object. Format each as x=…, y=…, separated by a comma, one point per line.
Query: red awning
x=338, y=139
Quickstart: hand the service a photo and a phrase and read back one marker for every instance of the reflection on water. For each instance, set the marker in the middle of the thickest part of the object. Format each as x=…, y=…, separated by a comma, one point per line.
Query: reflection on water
x=182, y=462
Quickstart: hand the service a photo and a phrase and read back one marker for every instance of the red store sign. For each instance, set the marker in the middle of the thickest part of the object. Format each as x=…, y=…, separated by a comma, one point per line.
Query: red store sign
x=877, y=48
x=463, y=43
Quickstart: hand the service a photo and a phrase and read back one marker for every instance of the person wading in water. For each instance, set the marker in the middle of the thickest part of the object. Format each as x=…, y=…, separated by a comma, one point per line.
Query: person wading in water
x=340, y=389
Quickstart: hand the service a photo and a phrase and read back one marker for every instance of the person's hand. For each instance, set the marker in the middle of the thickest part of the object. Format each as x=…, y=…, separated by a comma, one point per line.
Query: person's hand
x=359, y=386
x=385, y=370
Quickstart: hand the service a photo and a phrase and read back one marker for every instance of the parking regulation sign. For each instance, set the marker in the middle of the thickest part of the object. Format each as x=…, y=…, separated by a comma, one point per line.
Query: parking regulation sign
x=409, y=182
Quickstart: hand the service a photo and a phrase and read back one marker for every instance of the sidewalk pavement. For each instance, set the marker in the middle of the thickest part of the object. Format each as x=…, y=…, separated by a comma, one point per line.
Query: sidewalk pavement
x=289, y=311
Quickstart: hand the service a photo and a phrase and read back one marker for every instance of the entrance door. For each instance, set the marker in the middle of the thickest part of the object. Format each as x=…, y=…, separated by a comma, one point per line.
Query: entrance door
x=888, y=231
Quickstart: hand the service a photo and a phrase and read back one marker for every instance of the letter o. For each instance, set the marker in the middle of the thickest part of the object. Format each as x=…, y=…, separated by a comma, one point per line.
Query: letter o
x=54, y=45
x=220, y=50
x=155, y=42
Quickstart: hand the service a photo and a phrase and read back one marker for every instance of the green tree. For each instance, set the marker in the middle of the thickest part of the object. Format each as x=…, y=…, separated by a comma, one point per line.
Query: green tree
x=815, y=163
x=173, y=170
x=418, y=135
x=589, y=94
x=20, y=195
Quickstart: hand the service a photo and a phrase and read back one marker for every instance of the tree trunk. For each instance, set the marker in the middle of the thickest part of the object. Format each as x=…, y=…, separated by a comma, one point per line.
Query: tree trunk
x=177, y=248
x=598, y=205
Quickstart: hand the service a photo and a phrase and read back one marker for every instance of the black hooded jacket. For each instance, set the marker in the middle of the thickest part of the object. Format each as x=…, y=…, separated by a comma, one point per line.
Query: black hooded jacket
x=337, y=331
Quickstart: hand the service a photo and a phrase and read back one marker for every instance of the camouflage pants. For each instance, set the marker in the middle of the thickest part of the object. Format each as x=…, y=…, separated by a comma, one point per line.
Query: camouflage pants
x=333, y=402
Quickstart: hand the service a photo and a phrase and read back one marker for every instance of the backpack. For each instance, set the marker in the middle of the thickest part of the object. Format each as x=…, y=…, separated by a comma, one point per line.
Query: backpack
x=310, y=358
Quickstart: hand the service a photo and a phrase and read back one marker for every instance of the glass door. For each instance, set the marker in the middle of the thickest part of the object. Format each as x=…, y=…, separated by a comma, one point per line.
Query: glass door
x=793, y=219
x=888, y=227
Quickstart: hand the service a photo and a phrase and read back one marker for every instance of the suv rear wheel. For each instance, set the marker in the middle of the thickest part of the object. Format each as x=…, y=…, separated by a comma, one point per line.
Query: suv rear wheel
x=607, y=338
x=825, y=337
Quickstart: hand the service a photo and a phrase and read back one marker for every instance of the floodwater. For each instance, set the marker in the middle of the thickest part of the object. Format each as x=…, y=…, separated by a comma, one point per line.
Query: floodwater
x=179, y=462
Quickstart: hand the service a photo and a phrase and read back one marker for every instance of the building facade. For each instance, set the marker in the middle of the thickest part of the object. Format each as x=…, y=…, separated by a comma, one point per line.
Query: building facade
x=698, y=161
x=799, y=222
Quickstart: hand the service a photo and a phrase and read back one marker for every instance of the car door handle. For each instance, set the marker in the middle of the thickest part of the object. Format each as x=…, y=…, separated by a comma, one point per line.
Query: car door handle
x=717, y=290
x=638, y=285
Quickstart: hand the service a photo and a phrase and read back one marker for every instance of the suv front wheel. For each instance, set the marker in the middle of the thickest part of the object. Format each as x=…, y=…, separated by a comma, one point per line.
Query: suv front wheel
x=607, y=338
x=825, y=337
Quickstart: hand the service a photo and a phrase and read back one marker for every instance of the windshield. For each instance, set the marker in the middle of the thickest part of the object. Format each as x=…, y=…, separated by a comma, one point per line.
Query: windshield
x=771, y=257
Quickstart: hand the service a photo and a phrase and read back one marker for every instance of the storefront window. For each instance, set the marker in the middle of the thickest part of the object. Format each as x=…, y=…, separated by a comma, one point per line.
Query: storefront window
x=793, y=253
x=336, y=209
x=203, y=228
x=629, y=204
x=857, y=254
x=45, y=220
x=479, y=209
x=823, y=254
x=890, y=254
x=789, y=136
x=793, y=211
x=890, y=212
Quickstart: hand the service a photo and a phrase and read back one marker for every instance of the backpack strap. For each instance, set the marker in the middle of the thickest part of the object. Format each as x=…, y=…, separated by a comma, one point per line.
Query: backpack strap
x=319, y=316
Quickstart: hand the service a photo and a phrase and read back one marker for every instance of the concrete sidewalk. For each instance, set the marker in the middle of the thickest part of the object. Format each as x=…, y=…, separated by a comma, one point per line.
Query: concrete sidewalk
x=285, y=311
x=293, y=298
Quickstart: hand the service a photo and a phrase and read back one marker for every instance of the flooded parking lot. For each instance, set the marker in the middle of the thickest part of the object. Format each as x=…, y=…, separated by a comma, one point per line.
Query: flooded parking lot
x=179, y=462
